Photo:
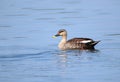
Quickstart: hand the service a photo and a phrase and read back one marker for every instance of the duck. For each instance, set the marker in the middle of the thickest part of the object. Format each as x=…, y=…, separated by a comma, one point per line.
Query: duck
x=74, y=43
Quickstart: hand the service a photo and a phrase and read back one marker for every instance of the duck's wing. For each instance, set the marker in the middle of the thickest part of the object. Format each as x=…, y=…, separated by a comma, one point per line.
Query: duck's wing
x=80, y=40
x=77, y=43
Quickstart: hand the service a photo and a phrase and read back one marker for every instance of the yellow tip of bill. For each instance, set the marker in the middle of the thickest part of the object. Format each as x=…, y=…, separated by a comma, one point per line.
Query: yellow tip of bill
x=53, y=36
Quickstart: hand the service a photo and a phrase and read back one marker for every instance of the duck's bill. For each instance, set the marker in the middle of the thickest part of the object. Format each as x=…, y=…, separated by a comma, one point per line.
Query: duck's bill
x=55, y=36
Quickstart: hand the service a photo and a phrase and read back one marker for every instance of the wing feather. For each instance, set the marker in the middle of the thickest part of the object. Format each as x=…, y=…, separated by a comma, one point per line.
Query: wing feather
x=77, y=42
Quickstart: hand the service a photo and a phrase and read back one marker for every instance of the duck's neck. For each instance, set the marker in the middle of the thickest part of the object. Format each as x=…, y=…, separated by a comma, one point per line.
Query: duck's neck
x=64, y=39
x=62, y=42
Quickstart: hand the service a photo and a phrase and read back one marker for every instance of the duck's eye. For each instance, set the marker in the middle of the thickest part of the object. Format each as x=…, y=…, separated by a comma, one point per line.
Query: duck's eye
x=60, y=31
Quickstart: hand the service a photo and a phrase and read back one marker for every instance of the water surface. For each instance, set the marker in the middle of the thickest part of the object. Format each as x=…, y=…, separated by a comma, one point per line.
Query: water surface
x=29, y=54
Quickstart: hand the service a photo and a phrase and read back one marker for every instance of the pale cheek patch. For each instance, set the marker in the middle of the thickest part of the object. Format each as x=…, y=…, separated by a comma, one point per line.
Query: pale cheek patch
x=85, y=41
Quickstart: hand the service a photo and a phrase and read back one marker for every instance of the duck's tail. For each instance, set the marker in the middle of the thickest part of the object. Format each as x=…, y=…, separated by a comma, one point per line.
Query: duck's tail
x=94, y=43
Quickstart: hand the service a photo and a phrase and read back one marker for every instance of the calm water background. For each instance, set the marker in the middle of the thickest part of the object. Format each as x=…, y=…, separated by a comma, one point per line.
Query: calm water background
x=29, y=54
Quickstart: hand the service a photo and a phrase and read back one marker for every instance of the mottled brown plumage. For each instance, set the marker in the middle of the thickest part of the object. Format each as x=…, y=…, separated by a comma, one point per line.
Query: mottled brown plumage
x=75, y=43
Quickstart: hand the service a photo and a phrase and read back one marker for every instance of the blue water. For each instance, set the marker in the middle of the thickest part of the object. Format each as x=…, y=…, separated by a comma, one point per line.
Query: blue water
x=28, y=53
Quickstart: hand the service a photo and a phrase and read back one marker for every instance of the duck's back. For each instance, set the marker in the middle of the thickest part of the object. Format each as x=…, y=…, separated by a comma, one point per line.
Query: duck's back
x=80, y=43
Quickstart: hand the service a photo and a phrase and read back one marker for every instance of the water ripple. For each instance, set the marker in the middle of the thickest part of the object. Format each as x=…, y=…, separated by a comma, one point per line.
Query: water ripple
x=45, y=19
x=66, y=12
x=113, y=34
x=24, y=55
x=2, y=26
x=17, y=15
x=36, y=9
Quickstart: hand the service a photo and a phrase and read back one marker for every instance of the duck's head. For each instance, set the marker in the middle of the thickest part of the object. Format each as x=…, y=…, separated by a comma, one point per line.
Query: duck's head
x=61, y=32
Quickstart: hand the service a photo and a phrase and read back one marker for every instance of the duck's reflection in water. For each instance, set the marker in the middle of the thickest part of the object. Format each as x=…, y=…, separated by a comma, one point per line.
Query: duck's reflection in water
x=66, y=58
x=63, y=60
